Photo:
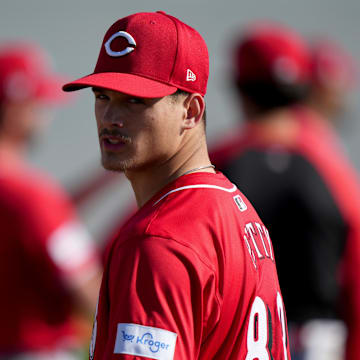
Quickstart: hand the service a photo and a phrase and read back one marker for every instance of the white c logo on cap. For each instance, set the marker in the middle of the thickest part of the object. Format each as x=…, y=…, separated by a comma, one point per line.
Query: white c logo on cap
x=126, y=51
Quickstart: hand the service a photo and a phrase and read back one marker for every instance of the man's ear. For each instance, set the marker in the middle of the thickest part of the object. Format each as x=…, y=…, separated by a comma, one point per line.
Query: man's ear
x=195, y=107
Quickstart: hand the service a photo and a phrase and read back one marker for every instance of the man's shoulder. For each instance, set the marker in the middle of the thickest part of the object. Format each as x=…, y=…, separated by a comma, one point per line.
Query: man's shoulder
x=195, y=212
x=191, y=202
x=31, y=194
x=29, y=182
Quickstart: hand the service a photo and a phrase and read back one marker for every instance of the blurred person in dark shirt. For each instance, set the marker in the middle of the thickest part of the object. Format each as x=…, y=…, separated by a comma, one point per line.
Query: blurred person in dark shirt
x=287, y=160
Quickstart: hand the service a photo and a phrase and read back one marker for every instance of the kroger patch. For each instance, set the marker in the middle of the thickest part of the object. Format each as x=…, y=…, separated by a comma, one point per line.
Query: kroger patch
x=147, y=341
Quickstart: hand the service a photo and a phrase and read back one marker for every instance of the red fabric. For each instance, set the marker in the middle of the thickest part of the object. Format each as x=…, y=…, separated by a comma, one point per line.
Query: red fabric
x=182, y=264
x=165, y=50
x=35, y=304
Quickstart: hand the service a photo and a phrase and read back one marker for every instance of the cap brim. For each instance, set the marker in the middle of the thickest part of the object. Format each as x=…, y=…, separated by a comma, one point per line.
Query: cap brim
x=125, y=83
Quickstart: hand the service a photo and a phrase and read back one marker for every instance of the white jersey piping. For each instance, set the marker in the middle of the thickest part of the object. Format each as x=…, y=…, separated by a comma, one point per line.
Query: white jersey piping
x=199, y=186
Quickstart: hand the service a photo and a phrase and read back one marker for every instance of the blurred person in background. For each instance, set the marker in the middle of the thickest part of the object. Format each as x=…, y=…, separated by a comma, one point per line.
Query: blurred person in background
x=288, y=162
x=334, y=77
x=49, y=266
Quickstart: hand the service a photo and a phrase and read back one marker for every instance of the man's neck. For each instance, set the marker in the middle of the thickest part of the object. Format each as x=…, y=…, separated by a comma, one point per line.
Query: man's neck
x=278, y=126
x=147, y=183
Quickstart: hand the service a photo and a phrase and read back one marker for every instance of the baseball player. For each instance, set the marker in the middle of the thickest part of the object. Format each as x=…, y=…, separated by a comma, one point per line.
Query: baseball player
x=49, y=266
x=287, y=160
x=192, y=274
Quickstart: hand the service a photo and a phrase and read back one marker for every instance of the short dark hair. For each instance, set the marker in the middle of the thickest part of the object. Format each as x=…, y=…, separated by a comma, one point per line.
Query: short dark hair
x=180, y=92
x=184, y=93
x=268, y=95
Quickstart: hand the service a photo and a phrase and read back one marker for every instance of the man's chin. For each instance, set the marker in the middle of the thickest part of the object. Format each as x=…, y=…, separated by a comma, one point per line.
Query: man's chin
x=115, y=166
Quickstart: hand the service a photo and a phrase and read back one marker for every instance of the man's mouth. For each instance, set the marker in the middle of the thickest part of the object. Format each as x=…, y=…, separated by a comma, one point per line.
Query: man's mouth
x=113, y=140
x=113, y=143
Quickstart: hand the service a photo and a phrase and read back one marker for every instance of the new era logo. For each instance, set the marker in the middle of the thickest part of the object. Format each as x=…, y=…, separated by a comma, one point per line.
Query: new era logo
x=190, y=76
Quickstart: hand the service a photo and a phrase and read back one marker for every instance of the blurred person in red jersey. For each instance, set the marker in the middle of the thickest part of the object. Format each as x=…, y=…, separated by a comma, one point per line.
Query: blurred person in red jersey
x=288, y=161
x=49, y=266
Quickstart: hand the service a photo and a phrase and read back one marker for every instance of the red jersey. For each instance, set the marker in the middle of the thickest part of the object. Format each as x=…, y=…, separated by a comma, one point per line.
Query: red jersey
x=42, y=245
x=191, y=275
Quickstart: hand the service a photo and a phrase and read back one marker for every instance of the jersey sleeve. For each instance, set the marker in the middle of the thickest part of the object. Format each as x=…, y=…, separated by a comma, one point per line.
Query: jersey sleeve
x=72, y=250
x=163, y=301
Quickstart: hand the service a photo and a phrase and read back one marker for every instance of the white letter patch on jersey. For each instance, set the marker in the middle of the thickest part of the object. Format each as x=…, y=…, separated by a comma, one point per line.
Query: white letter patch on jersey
x=150, y=342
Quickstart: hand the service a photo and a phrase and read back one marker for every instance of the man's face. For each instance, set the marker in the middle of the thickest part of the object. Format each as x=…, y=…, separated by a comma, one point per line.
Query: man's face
x=24, y=121
x=137, y=133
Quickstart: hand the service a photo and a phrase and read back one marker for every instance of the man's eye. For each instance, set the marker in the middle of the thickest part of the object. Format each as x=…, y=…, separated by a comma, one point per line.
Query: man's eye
x=101, y=96
x=136, y=100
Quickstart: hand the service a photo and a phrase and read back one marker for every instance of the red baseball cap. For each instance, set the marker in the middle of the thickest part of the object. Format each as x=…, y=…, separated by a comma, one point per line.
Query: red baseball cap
x=332, y=65
x=25, y=73
x=272, y=52
x=149, y=55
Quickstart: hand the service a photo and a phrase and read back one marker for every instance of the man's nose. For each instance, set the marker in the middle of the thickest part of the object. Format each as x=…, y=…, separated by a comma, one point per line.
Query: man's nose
x=113, y=116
